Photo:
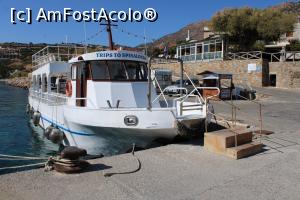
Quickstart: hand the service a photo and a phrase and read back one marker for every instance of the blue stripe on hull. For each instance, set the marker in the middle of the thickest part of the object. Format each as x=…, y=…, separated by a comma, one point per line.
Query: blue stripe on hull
x=66, y=129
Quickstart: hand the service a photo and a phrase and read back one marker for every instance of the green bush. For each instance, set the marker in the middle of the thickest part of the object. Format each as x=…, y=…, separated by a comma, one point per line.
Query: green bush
x=259, y=45
x=294, y=45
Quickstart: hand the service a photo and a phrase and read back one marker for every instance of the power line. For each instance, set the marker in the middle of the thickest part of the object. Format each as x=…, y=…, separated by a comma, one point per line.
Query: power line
x=134, y=34
x=93, y=36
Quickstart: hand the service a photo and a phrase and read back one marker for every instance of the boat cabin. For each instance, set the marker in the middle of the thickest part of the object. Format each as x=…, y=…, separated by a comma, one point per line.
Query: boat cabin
x=110, y=79
x=51, y=77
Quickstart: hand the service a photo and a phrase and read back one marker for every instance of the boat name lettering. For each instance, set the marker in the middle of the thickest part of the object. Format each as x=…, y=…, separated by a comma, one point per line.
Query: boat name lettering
x=120, y=55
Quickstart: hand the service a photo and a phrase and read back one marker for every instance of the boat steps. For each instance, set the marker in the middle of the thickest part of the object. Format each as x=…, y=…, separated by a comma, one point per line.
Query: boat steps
x=236, y=143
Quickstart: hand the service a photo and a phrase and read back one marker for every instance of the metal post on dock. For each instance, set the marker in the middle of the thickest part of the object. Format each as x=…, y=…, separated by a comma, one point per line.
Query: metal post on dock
x=206, y=110
x=149, y=84
x=260, y=119
x=181, y=75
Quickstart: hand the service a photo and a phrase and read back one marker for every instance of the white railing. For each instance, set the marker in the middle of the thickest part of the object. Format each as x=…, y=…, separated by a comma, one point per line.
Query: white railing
x=272, y=57
x=56, y=98
x=56, y=53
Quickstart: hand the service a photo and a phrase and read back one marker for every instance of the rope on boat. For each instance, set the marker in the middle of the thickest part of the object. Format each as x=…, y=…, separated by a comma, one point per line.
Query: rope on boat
x=109, y=174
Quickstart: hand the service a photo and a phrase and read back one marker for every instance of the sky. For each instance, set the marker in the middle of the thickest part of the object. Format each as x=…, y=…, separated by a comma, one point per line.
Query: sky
x=172, y=16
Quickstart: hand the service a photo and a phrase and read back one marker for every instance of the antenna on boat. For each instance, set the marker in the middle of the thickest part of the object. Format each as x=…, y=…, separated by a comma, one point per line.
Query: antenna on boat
x=145, y=42
x=108, y=29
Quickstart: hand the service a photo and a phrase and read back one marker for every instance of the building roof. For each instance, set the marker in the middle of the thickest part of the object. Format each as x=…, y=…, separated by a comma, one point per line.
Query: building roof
x=206, y=72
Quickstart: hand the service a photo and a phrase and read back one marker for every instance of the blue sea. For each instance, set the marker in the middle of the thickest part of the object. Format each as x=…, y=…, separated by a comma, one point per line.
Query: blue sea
x=18, y=136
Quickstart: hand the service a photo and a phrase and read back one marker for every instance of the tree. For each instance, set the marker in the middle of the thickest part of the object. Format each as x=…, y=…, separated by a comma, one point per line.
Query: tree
x=273, y=23
x=246, y=26
x=4, y=71
x=294, y=45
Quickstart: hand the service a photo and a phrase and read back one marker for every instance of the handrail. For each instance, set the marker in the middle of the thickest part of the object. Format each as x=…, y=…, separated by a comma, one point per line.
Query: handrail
x=194, y=86
x=56, y=95
x=161, y=93
x=229, y=127
x=260, y=110
x=248, y=99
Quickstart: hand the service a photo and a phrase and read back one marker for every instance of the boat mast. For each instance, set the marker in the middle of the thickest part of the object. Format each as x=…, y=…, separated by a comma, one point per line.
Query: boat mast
x=110, y=40
x=109, y=32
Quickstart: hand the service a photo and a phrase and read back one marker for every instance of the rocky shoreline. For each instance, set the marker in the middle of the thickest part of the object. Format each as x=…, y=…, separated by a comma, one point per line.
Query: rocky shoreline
x=22, y=82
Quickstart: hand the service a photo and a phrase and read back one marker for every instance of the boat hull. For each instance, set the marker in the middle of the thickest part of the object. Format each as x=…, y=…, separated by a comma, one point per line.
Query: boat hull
x=104, y=131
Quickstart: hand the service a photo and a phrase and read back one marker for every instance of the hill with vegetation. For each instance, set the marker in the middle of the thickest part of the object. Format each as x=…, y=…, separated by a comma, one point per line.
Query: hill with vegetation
x=245, y=27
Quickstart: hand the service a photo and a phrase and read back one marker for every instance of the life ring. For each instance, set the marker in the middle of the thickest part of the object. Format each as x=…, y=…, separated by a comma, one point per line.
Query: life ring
x=69, y=88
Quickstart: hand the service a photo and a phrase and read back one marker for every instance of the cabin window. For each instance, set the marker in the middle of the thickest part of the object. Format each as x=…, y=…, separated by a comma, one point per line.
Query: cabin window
x=100, y=70
x=73, y=72
x=40, y=82
x=45, y=87
x=136, y=71
x=117, y=70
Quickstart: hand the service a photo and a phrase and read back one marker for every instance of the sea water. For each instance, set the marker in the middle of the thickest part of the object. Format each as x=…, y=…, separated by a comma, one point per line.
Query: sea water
x=18, y=136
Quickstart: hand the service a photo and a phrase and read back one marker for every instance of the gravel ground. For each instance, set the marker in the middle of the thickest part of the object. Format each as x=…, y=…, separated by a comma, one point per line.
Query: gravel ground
x=186, y=170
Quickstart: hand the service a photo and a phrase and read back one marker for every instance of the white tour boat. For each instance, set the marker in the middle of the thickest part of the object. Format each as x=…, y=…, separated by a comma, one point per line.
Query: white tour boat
x=105, y=101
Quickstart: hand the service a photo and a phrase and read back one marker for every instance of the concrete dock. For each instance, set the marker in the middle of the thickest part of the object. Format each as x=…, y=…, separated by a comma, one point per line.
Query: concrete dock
x=185, y=170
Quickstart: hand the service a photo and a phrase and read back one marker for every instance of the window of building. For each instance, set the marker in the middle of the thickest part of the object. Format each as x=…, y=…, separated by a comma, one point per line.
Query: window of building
x=290, y=34
x=212, y=47
x=206, y=48
x=218, y=46
x=187, y=51
x=182, y=51
x=199, y=49
x=193, y=50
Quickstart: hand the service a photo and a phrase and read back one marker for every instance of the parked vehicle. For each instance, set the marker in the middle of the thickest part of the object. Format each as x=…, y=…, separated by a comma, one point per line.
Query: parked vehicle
x=163, y=77
x=175, y=89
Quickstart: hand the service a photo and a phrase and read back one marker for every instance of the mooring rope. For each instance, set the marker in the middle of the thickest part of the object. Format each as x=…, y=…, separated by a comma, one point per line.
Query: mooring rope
x=22, y=166
x=23, y=157
x=109, y=174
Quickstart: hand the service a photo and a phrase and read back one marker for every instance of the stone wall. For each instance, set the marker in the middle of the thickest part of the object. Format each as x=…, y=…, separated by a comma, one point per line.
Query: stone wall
x=287, y=74
x=239, y=69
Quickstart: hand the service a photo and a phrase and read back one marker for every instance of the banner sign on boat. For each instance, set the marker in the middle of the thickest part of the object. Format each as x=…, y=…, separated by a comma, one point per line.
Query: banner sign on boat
x=113, y=55
x=120, y=55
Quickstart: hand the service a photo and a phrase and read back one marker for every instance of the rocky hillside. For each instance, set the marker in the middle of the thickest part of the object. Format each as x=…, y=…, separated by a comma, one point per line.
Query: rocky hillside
x=289, y=7
x=196, y=33
x=196, y=29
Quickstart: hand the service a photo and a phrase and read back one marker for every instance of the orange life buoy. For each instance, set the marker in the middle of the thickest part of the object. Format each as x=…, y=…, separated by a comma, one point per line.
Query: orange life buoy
x=69, y=88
